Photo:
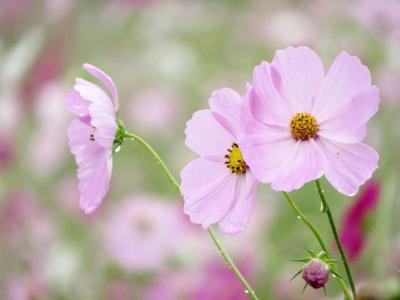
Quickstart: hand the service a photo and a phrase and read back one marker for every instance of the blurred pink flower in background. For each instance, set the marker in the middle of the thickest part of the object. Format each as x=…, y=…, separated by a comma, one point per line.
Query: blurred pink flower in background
x=46, y=156
x=10, y=118
x=377, y=16
x=27, y=286
x=22, y=216
x=142, y=233
x=176, y=285
x=120, y=290
x=214, y=280
x=48, y=67
x=218, y=187
x=91, y=135
x=13, y=12
x=135, y=3
x=67, y=195
x=6, y=151
x=298, y=130
x=219, y=282
x=388, y=82
x=151, y=110
x=353, y=233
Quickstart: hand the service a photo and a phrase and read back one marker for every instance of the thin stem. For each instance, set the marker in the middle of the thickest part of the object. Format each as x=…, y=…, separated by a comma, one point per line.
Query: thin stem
x=157, y=157
x=318, y=237
x=232, y=265
x=217, y=242
x=336, y=236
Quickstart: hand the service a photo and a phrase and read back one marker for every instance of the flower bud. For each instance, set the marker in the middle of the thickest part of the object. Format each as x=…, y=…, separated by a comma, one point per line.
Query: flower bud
x=316, y=273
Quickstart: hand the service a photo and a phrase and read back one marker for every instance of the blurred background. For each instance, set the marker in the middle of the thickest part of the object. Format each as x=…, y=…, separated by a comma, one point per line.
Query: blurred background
x=166, y=57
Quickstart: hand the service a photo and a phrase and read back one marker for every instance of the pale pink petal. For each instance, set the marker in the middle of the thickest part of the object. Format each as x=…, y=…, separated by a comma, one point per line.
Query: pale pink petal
x=105, y=79
x=225, y=105
x=349, y=123
x=105, y=125
x=206, y=137
x=306, y=162
x=266, y=104
x=264, y=151
x=348, y=165
x=76, y=104
x=248, y=123
x=238, y=217
x=346, y=77
x=94, y=165
x=94, y=180
x=302, y=75
x=94, y=94
x=200, y=172
x=78, y=135
x=208, y=201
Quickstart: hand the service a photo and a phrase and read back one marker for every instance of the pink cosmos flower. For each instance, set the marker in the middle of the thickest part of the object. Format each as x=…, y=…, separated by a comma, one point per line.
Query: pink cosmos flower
x=301, y=123
x=91, y=135
x=352, y=234
x=218, y=187
x=138, y=233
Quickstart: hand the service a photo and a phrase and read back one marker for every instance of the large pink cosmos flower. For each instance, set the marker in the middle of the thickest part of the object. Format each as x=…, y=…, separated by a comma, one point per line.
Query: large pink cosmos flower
x=304, y=123
x=218, y=187
x=91, y=135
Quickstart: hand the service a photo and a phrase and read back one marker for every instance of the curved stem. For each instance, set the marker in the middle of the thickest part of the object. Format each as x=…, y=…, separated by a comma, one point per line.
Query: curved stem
x=336, y=236
x=217, y=242
x=157, y=157
x=301, y=216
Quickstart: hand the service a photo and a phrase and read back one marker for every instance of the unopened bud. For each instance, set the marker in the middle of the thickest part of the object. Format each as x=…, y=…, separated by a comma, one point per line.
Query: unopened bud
x=316, y=273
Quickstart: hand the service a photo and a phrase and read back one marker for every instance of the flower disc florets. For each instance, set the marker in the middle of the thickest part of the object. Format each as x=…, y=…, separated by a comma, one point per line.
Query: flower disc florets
x=235, y=161
x=303, y=126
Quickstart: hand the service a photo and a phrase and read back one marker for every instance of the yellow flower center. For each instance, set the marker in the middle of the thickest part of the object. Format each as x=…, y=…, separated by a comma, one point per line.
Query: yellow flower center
x=234, y=160
x=303, y=126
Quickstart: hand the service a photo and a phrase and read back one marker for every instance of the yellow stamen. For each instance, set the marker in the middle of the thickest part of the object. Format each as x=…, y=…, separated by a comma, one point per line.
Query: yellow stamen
x=235, y=161
x=303, y=126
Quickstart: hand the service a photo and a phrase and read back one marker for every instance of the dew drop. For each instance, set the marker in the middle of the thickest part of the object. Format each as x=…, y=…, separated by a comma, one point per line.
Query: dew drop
x=333, y=275
x=323, y=208
x=118, y=149
x=298, y=217
x=246, y=291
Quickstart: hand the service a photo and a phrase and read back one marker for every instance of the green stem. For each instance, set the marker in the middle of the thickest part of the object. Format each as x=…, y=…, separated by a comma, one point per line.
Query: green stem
x=303, y=218
x=231, y=264
x=336, y=236
x=217, y=242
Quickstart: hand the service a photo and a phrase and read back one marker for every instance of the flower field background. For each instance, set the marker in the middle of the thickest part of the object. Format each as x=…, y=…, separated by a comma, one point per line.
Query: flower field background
x=166, y=57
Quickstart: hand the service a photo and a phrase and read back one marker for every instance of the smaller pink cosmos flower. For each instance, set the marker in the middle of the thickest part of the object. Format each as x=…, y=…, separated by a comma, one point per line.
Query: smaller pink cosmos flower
x=218, y=187
x=352, y=234
x=303, y=124
x=91, y=135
